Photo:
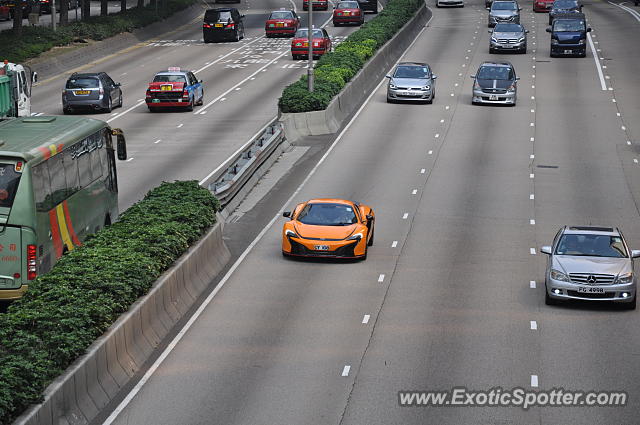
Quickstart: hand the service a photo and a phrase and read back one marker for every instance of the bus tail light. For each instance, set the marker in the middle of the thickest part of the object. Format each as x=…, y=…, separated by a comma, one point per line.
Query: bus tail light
x=31, y=262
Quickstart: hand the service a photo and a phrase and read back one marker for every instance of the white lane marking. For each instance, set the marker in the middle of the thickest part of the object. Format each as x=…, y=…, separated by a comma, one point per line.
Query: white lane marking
x=221, y=100
x=531, y=175
x=533, y=139
x=430, y=153
x=423, y=171
x=414, y=191
x=345, y=370
x=136, y=389
x=532, y=251
x=532, y=196
x=533, y=98
x=534, y=380
x=228, y=54
x=365, y=319
x=618, y=114
x=238, y=88
x=129, y=160
x=180, y=125
x=532, y=284
x=394, y=244
x=613, y=100
x=623, y=128
x=158, y=141
x=531, y=124
x=381, y=278
x=126, y=111
x=628, y=142
x=437, y=135
x=140, y=100
x=447, y=107
x=441, y=120
x=532, y=222
x=635, y=160
x=597, y=61
x=532, y=156
x=405, y=216
x=534, y=325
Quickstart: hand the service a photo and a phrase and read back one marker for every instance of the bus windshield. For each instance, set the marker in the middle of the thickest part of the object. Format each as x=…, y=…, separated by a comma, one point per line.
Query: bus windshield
x=9, y=180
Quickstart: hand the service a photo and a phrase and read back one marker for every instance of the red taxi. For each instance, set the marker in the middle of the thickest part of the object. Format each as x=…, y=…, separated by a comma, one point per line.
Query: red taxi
x=282, y=22
x=348, y=12
x=300, y=43
x=542, y=5
x=317, y=4
x=174, y=88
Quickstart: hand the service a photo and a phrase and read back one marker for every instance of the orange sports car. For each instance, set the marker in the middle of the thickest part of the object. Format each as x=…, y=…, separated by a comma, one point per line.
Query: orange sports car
x=328, y=228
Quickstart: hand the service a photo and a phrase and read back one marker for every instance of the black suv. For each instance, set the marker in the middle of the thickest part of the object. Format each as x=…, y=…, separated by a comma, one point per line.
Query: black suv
x=223, y=24
x=370, y=5
x=91, y=91
x=562, y=7
x=569, y=35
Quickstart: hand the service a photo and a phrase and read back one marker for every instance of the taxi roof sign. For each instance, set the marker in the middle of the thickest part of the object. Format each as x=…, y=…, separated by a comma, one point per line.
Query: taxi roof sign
x=173, y=69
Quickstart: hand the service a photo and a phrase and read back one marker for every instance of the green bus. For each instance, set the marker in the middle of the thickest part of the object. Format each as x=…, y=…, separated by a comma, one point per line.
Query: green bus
x=57, y=186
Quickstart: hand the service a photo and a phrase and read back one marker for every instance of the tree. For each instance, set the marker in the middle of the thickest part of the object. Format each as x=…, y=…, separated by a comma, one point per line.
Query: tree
x=123, y=5
x=140, y=3
x=86, y=9
x=64, y=12
x=17, y=17
x=104, y=7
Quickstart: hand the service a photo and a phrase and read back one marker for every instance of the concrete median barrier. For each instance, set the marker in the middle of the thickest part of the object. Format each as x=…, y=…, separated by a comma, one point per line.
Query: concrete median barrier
x=330, y=120
x=95, y=379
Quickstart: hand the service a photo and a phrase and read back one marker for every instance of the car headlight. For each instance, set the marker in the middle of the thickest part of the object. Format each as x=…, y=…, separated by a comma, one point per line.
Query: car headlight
x=521, y=40
x=625, y=278
x=392, y=86
x=426, y=88
x=512, y=88
x=558, y=275
x=554, y=41
x=494, y=40
x=581, y=41
x=291, y=233
x=355, y=237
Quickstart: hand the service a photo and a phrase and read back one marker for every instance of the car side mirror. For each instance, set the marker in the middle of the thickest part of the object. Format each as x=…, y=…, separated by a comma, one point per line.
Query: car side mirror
x=589, y=29
x=388, y=76
x=434, y=76
x=635, y=253
x=473, y=77
x=287, y=214
x=526, y=31
x=34, y=77
x=517, y=78
x=489, y=31
x=117, y=84
x=546, y=250
x=121, y=145
x=519, y=9
x=242, y=16
x=201, y=81
x=548, y=29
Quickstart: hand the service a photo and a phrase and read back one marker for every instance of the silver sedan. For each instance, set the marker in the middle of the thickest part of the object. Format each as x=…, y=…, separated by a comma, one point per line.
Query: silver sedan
x=508, y=38
x=411, y=81
x=590, y=263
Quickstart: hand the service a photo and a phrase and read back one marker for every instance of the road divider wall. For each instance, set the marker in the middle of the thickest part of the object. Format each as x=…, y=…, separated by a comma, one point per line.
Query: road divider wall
x=48, y=347
x=329, y=120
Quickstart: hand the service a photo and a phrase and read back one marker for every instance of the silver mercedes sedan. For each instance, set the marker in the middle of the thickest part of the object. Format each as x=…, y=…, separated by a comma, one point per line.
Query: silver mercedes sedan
x=508, y=38
x=590, y=263
x=411, y=81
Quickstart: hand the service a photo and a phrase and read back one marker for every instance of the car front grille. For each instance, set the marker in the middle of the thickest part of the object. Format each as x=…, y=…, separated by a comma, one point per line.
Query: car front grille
x=591, y=295
x=343, y=251
x=504, y=18
x=507, y=41
x=494, y=91
x=592, y=278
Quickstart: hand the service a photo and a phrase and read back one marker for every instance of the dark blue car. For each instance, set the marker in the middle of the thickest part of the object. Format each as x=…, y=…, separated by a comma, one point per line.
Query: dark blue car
x=569, y=35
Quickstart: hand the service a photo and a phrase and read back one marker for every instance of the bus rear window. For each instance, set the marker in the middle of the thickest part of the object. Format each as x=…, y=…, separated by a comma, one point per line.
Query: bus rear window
x=9, y=180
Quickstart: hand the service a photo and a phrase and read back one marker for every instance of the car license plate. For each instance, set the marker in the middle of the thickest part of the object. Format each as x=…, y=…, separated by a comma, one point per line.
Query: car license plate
x=280, y=24
x=590, y=290
x=568, y=52
x=493, y=97
x=78, y=92
x=346, y=13
x=218, y=25
x=166, y=88
x=321, y=247
x=155, y=100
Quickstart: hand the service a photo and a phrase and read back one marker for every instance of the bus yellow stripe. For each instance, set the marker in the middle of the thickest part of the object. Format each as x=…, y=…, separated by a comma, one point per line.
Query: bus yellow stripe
x=64, y=232
x=54, y=149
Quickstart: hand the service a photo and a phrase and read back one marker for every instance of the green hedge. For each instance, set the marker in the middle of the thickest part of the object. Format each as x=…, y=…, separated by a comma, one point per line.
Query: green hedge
x=66, y=310
x=38, y=39
x=335, y=69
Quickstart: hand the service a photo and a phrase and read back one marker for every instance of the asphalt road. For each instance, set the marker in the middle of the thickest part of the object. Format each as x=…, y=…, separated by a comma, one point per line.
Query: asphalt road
x=452, y=292
x=242, y=84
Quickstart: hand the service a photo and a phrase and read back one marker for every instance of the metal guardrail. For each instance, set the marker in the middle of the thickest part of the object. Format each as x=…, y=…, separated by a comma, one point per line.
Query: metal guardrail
x=239, y=169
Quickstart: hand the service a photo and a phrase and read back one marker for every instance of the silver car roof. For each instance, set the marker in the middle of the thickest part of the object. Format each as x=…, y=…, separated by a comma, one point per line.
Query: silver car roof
x=591, y=230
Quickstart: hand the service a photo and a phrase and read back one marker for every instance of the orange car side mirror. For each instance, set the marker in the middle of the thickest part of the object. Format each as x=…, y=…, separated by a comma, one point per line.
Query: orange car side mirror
x=287, y=214
x=369, y=217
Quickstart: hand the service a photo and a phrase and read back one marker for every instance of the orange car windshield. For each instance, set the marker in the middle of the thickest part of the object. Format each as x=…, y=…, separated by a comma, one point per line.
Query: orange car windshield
x=327, y=215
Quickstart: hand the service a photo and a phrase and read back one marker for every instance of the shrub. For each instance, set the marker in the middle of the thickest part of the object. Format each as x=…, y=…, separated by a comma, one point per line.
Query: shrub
x=38, y=39
x=64, y=311
x=335, y=69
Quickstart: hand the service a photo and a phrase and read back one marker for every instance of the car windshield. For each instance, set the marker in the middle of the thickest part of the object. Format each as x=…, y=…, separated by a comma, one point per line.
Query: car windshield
x=508, y=28
x=348, y=5
x=591, y=245
x=568, y=25
x=82, y=83
x=327, y=215
x=565, y=5
x=413, y=71
x=504, y=5
x=281, y=15
x=495, y=73
x=166, y=78
x=305, y=33
x=9, y=180
x=217, y=15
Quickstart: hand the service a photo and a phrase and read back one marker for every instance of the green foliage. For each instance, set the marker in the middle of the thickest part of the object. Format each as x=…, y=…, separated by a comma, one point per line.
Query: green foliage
x=38, y=39
x=64, y=311
x=335, y=69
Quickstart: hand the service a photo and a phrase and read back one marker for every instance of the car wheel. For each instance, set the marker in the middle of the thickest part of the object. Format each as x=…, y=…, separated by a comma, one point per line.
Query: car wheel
x=201, y=101
x=524, y=51
x=491, y=51
x=550, y=20
x=373, y=233
x=109, y=107
x=152, y=109
x=190, y=107
x=120, y=101
x=631, y=305
x=389, y=100
x=66, y=111
x=548, y=300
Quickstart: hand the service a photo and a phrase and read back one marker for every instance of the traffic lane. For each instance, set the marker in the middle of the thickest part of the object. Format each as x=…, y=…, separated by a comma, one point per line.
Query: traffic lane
x=579, y=132
x=613, y=29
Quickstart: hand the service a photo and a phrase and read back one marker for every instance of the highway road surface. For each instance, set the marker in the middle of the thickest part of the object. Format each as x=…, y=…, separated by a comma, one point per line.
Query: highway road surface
x=452, y=292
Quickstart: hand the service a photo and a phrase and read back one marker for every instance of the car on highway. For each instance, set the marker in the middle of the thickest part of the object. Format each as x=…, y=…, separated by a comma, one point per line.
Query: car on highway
x=369, y=5
x=504, y=12
x=495, y=83
x=562, y=7
x=411, y=81
x=328, y=228
x=449, y=3
x=174, y=88
x=590, y=263
x=300, y=43
x=348, y=12
x=317, y=4
x=569, y=35
x=508, y=38
x=223, y=24
x=282, y=22
x=91, y=91
x=542, y=5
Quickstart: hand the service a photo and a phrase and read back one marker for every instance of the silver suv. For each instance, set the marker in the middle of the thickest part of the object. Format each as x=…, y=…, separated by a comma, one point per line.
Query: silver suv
x=590, y=263
x=508, y=38
x=504, y=11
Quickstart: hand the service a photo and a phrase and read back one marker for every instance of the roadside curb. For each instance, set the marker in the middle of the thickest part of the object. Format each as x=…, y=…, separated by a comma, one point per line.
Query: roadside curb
x=92, y=381
x=330, y=120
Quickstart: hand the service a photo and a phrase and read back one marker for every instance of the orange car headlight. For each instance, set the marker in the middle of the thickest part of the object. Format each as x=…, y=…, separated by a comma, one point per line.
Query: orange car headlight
x=355, y=237
x=291, y=233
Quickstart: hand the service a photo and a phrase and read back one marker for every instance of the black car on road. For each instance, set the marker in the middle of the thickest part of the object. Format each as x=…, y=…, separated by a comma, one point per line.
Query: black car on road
x=223, y=24
x=569, y=35
x=94, y=91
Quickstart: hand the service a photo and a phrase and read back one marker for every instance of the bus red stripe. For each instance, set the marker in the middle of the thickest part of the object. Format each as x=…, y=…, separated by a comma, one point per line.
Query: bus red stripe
x=46, y=152
x=55, y=233
x=67, y=219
